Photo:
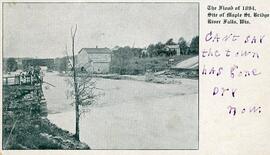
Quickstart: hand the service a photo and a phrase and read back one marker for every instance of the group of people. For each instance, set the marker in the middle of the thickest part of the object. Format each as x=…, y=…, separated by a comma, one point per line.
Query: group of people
x=31, y=75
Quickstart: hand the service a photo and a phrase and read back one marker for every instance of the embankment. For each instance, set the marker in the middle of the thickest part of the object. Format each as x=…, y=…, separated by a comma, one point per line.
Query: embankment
x=25, y=125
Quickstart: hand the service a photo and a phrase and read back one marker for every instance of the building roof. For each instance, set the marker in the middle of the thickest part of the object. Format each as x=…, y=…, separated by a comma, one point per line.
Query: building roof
x=191, y=63
x=96, y=50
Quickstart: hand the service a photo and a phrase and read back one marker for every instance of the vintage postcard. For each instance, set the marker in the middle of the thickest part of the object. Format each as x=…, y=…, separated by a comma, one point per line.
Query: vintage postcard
x=87, y=77
x=100, y=76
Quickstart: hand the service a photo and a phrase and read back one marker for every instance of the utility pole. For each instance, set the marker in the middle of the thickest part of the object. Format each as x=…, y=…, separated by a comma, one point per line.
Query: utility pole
x=77, y=114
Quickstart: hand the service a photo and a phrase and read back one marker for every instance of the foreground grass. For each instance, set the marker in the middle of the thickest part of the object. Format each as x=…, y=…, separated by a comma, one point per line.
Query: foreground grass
x=39, y=134
x=25, y=128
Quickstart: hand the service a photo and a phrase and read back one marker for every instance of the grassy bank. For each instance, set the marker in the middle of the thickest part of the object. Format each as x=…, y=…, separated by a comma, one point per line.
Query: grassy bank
x=24, y=126
x=37, y=134
x=135, y=66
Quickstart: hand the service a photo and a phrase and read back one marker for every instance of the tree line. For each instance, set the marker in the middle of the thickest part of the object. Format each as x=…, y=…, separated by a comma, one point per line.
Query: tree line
x=158, y=49
x=128, y=60
x=125, y=60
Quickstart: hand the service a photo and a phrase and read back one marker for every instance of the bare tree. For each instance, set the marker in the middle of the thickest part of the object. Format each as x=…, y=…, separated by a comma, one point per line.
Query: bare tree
x=86, y=91
x=83, y=88
x=87, y=94
x=77, y=115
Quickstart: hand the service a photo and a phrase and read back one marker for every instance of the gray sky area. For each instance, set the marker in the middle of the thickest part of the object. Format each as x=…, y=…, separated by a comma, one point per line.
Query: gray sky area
x=42, y=30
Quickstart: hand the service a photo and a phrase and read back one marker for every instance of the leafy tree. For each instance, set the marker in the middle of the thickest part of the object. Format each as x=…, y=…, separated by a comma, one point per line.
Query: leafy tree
x=136, y=52
x=156, y=49
x=11, y=65
x=194, y=45
x=160, y=48
x=63, y=64
x=170, y=42
x=152, y=50
x=183, y=45
x=121, y=59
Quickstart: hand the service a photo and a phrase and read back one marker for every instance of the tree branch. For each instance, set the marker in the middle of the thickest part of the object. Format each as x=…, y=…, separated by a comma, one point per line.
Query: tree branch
x=69, y=60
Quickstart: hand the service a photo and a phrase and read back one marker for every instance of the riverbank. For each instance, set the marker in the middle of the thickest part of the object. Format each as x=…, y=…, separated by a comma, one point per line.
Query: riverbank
x=25, y=125
x=164, y=77
x=37, y=134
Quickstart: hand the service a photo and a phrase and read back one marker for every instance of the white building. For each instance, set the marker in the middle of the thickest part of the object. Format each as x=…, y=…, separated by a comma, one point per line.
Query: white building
x=175, y=48
x=94, y=60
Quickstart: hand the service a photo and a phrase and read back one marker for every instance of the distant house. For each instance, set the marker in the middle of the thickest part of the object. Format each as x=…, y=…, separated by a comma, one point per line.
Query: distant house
x=94, y=60
x=144, y=52
x=175, y=48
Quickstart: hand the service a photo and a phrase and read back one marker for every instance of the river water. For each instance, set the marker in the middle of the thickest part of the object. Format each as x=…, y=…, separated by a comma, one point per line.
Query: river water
x=130, y=114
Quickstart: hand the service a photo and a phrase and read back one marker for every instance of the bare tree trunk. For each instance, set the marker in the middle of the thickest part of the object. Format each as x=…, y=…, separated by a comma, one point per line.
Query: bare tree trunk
x=77, y=134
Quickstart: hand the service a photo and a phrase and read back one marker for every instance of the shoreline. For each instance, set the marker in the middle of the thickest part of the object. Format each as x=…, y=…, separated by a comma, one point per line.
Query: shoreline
x=159, y=79
x=26, y=125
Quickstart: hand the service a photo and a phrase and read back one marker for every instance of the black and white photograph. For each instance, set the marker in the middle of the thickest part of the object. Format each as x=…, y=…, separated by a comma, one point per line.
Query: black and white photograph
x=100, y=76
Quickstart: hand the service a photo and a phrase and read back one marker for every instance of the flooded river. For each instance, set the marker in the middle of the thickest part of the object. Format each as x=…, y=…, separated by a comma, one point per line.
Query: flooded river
x=130, y=114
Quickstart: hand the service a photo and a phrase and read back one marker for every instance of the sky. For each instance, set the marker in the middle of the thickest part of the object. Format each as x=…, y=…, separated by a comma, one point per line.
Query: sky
x=42, y=30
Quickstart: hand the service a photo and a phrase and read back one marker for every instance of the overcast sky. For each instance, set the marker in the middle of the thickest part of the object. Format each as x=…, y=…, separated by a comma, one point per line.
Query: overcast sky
x=43, y=29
